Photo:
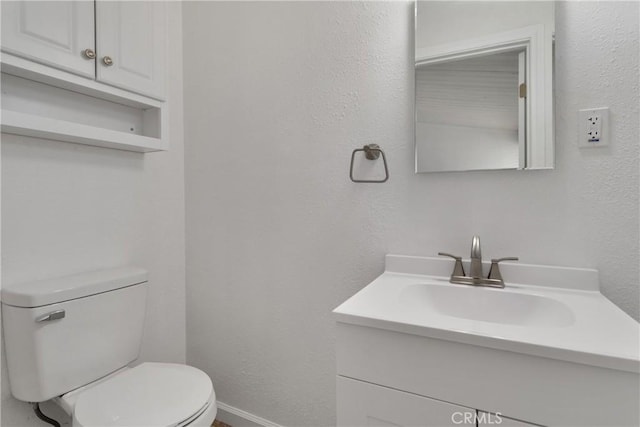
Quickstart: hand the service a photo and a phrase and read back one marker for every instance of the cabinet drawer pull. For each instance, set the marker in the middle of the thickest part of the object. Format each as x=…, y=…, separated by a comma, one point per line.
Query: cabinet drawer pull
x=89, y=53
x=107, y=61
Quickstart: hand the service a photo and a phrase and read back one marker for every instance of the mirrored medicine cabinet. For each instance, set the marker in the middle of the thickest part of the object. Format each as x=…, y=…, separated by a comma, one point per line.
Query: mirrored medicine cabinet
x=484, y=85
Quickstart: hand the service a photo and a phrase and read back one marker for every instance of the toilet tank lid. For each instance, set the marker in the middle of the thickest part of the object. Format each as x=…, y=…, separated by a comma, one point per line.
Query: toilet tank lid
x=51, y=291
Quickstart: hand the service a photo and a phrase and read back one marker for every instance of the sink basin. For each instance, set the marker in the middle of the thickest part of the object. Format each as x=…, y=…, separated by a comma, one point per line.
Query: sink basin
x=547, y=311
x=487, y=305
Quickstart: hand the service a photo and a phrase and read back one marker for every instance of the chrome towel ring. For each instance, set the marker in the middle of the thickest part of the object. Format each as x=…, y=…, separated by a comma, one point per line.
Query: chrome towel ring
x=371, y=152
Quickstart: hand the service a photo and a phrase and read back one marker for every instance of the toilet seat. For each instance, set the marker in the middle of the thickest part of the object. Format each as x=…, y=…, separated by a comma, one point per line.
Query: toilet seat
x=151, y=394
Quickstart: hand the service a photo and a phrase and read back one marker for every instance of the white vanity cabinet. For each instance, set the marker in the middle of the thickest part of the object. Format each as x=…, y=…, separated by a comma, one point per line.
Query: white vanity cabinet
x=488, y=419
x=413, y=349
x=118, y=43
x=364, y=404
x=411, y=380
x=361, y=403
x=394, y=379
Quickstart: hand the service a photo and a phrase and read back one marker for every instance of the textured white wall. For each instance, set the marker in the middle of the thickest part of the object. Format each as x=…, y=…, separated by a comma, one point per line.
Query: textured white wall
x=277, y=235
x=69, y=208
x=442, y=22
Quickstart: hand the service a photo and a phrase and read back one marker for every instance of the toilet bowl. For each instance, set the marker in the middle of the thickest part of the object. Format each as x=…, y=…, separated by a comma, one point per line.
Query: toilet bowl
x=73, y=340
x=150, y=394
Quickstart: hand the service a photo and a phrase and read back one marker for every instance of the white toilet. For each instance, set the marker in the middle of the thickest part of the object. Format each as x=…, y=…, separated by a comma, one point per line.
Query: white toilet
x=71, y=339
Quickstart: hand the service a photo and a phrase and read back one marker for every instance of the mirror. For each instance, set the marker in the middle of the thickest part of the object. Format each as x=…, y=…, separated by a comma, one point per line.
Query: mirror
x=484, y=85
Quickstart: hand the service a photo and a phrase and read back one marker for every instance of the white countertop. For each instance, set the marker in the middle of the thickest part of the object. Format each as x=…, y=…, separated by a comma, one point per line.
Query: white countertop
x=596, y=333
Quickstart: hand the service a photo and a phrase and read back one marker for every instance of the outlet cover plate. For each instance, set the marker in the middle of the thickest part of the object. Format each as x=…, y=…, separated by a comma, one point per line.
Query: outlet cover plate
x=593, y=127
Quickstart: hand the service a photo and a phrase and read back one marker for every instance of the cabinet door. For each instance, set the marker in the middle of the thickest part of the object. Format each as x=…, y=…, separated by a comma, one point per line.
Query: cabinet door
x=487, y=419
x=54, y=33
x=131, y=45
x=365, y=404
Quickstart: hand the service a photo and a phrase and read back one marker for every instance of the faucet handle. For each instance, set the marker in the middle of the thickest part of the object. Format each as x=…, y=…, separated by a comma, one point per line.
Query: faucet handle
x=508, y=258
x=458, y=269
x=494, y=271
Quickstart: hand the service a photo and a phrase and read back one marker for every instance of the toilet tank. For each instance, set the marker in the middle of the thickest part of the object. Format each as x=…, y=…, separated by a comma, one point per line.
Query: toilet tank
x=61, y=334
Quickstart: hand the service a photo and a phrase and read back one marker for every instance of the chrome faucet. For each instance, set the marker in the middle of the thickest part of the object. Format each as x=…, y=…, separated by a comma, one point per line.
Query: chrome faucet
x=476, y=259
x=494, y=279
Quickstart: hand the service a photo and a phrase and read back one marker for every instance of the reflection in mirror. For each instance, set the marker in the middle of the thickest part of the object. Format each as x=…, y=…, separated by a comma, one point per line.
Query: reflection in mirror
x=468, y=113
x=484, y=85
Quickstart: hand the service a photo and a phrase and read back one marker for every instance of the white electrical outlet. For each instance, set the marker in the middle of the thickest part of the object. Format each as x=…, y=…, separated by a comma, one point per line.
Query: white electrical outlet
x=593, y=127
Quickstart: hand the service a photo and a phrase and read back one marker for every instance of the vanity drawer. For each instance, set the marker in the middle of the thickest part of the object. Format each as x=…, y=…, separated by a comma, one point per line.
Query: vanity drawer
x=537, y=389
x=364, y=404
x=487, y=419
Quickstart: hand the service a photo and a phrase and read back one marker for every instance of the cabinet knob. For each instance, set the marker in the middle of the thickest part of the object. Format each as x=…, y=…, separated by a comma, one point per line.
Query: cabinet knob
x=107, y=61
x=89, y=53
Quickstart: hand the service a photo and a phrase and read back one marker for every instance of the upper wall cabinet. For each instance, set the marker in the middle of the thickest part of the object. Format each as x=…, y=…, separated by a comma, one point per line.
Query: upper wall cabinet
x=123, y=46
x=52, y=33
x=86, y=72
x=130, y=42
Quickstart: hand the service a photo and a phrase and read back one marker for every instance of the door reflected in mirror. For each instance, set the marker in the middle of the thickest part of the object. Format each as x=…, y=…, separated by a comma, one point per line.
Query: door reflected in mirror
x=484, y=98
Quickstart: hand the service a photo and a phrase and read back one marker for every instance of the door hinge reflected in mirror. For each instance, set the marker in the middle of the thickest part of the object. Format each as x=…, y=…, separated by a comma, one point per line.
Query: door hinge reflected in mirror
x=523, y=90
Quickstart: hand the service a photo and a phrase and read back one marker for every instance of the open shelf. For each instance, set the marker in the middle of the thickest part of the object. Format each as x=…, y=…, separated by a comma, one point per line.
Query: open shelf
x=42, y=102
x=60, y=130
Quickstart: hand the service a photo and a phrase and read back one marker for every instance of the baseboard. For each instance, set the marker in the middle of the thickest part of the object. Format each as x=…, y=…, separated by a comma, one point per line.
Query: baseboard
x=238, y=418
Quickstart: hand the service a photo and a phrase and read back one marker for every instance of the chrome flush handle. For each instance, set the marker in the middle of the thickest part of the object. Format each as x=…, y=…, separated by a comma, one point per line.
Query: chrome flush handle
x=54, y=315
